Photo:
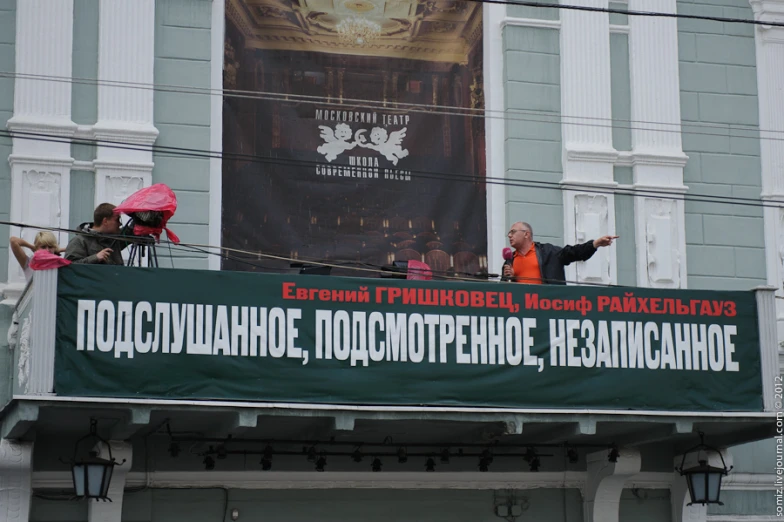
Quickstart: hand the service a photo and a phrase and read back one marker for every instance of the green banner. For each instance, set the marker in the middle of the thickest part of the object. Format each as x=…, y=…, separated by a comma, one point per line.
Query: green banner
x=177, y=334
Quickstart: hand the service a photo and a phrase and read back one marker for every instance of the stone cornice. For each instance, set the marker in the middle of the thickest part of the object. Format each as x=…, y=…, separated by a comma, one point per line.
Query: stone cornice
x=769, y=11
x=125, y=132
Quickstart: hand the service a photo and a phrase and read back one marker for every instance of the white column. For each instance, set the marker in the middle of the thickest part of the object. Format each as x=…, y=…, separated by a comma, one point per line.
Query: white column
x=112, y=511
x=657, y=153
x=125, y=98
x=587, y=138
x=40, y=165
x=216, y=126
x=495, y=133
x=770, y=85
x=604, y=484
x=16, y=471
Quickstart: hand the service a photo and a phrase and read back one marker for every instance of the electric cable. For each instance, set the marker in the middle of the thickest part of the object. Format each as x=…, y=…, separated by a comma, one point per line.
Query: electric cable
x=628, y=12
x=351, y=104
x=229, y=253
x=647, y=192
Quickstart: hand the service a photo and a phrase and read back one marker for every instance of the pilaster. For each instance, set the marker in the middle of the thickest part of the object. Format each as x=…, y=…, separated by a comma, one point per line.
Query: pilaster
x=16, y=472
x=604, y=484
x=126, y=56
x=587, y=137
x=494, y=83
x=41, y=155
x=112, y=511
x=770, y=85
x=657, y=152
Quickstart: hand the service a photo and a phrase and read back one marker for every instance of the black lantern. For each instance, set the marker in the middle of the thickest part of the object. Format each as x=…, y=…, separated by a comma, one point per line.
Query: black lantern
x=92, y=474
x=704, y=481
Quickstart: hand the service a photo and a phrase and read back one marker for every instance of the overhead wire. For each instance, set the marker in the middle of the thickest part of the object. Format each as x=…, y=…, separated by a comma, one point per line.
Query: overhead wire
x=652, y=193
x=230, y=254
x=511, y=114
x=629, y=12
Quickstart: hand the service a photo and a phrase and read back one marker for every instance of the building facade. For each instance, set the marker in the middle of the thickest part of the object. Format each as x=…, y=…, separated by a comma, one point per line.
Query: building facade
x=665, y=131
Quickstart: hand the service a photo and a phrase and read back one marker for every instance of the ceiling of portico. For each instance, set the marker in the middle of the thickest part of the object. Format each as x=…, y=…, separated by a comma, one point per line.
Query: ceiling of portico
x=433, y=30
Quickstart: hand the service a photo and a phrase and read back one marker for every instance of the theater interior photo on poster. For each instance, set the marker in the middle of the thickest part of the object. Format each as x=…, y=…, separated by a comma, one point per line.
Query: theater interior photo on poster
x=354, y=133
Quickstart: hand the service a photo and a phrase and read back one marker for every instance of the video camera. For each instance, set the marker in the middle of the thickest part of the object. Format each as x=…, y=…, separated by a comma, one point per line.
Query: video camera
x=149, y=209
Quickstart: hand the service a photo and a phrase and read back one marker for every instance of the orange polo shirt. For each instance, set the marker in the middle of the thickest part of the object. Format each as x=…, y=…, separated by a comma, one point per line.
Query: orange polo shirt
x=526, y=267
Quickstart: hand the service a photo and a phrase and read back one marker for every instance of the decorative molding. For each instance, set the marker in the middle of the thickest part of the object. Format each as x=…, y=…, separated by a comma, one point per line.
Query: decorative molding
x=115, y=185
x=42, y=339
x=112, y=511
x=376, y=411
x=403, y=480
x=16, y=467
x=40, y=196
x=592, y=214
x=495, y=131
x=660, y=242
x=605, y=482
x=24, y=353
x=664, y=160
x=44, y=45
x=742, y=518
x=657, y=157
x=125, y=114
x=530, y=22
x=769, y=11
x=619, y=29
x=591, y=155
x=588, y=155
x=40, y=169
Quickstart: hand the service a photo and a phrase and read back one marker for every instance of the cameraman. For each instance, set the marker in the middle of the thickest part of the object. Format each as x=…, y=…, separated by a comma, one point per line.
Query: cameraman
x=98, y=241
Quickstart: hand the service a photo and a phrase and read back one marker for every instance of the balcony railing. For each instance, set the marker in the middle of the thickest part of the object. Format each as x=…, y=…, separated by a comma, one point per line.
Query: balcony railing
x=120, y=333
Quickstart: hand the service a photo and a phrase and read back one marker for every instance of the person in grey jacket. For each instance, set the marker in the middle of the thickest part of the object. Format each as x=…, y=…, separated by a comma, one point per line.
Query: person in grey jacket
x=98, y=241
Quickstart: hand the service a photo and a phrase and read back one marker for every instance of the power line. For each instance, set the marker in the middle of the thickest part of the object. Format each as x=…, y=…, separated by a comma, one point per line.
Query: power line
x=353, y=104
x=610, y=10
x=651, y=193
x=230, y=254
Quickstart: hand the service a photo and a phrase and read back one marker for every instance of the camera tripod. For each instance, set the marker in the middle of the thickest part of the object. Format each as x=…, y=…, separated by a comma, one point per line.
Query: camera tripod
x=141, y=247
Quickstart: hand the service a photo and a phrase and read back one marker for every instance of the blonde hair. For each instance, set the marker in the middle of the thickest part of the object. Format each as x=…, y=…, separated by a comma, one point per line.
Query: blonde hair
x=45, y=239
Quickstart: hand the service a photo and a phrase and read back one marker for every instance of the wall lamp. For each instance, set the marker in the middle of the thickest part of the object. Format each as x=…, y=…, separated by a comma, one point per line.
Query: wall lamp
x=704, y=481
x=92, y=474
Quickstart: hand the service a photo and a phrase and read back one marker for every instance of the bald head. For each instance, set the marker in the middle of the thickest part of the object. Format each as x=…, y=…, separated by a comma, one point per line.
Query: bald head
x=521, y=235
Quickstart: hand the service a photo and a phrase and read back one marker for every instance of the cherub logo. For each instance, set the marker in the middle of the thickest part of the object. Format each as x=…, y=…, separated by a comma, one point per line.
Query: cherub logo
x=335, y=143
x=389, y=148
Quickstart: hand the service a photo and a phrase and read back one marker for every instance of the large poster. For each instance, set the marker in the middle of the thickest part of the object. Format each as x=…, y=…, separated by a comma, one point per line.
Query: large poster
x=189, y=334
x=354, y=133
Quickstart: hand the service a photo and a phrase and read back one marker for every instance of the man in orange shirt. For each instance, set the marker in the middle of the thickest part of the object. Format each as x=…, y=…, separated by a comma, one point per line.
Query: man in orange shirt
x=542, y=263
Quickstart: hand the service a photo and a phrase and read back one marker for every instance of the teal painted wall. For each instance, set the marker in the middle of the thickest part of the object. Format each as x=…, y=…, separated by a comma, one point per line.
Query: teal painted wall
x=84, y=90
x=626, y=252
x=7, y=63
x=725, y=245
x=182, y=57
x=621, y=92
x=533, y=129
x=82, y=198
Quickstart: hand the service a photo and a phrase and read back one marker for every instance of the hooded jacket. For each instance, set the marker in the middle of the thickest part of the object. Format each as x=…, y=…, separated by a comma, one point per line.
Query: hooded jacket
x=552, y=259
x=84, y=247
